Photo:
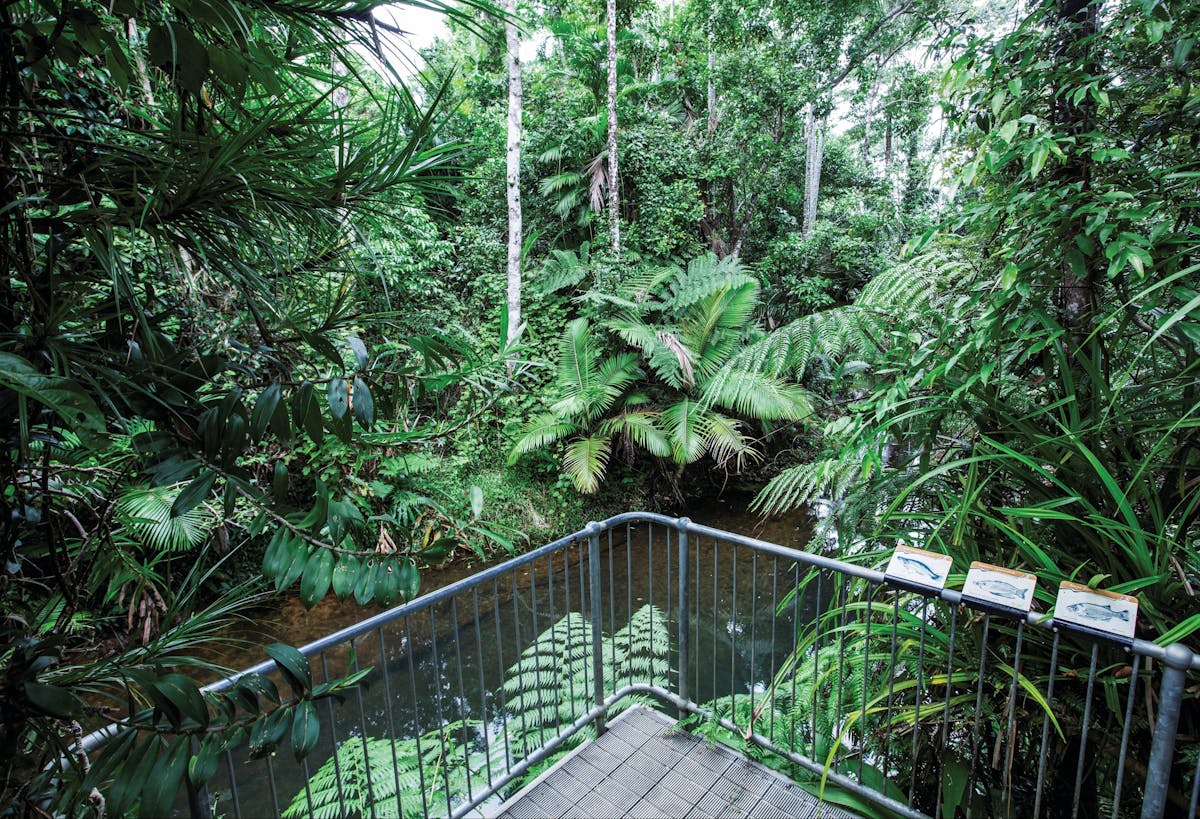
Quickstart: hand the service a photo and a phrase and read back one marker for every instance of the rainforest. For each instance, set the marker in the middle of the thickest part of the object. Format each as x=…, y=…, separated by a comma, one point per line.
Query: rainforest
x=303, y=300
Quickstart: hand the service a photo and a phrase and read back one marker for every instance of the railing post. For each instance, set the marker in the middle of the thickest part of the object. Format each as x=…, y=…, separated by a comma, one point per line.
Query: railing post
x=1162, y=749
x=199, y=803
x=593, y=532
x=681, y=687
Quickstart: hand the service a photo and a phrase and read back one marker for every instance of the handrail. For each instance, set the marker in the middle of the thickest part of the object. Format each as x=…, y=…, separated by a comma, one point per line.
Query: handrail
x=1176, y=660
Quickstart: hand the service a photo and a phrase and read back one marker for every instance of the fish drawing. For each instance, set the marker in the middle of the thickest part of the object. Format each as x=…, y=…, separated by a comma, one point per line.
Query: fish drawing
x=919, y=566
x=1094, y=611
x=1000, y=588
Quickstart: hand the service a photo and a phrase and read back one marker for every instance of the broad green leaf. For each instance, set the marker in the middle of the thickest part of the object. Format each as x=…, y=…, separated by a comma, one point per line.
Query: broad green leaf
x=294, y=666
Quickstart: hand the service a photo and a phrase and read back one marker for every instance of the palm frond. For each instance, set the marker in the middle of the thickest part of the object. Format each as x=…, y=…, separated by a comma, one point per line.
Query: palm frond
x=683, y=423
x=725, y=441
x=585, y=461
x=829, y=477
x=146, y=514
x=758, y=395
x=639, y=428
x=541, y=431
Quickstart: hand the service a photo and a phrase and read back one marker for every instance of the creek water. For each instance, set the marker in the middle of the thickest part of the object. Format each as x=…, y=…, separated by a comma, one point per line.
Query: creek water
x=449, y=662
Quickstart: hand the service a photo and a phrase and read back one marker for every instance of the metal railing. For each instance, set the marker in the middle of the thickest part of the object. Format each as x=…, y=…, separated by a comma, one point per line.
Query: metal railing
x=866, y=693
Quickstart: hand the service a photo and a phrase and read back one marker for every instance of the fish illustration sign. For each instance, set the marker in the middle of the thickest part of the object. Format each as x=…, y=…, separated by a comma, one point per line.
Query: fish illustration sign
x=1103, y=613
x=919, y=569
x=996, y=589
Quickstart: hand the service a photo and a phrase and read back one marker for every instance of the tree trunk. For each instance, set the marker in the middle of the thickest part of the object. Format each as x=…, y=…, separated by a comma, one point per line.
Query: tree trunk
x=614, y=193
x=513, y=177
x=815, y=152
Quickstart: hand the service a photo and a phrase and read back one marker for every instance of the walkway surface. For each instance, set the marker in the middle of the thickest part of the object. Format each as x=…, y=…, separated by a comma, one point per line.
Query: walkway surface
x=644, y=767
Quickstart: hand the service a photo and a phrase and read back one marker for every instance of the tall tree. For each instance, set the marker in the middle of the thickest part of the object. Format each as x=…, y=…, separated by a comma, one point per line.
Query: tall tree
x=614, y=194
x=512, y=39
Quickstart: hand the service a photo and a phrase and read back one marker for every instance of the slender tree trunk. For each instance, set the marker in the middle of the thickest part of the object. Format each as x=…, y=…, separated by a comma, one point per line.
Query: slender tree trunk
x=614, y=191
x=815, y=136
x=513, y=178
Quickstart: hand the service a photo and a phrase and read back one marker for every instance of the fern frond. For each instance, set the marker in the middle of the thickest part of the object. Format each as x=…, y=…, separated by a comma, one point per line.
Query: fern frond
x=563, y=268
x=831, y=477
x=704, y=277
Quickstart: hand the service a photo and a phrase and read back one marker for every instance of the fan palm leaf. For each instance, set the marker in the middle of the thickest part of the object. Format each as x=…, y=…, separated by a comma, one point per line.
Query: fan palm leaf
x=640, y=429
x=540, y=432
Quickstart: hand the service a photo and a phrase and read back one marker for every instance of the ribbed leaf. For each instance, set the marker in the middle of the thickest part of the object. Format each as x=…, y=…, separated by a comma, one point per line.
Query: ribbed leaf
x=585, y=461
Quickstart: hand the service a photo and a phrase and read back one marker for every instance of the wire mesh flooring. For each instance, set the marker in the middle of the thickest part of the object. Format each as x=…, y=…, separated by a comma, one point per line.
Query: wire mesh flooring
x=643, y=767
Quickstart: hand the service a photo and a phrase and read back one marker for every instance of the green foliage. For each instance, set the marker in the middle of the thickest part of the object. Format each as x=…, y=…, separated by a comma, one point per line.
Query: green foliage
x=382, y=777
x=547, y=689
x=686, y=328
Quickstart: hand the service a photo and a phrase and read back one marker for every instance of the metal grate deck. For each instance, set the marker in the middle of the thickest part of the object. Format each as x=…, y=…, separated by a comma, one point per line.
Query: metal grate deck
x=643, y=767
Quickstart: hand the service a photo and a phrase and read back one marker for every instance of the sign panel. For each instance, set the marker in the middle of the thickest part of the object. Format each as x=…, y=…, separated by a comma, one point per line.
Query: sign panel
x=918, y=569
x=998, y=589
x=1101, y=613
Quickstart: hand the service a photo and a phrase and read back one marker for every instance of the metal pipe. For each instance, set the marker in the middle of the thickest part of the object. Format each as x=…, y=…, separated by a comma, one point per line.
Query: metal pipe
x=593, y=536
x=682, y=640
x=1178, y=660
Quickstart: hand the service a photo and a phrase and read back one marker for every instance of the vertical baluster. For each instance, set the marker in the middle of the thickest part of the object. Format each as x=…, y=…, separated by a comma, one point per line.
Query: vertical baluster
x=483, y=692
x=463, y=710
x=983, y=644
x=840, y=710
x=866, y=684
x=1010, y=736
x=412, y=681
x=891, y=672
x=916, y=753
x=944, y=739
x=1045, y=747
x=1084, y=729
x=516, y=624
x=670, y=568
x=570, y=636
x=233, y=788
x=1177, y=662
x=774, y=620
x=1133, y=678
x=733, y=629
x=684, y=648
x=274, y=789
x=559, y=670
x=362, y=725
x=597, y=619
x=391, y=721
x=649, y=596
x=795, y=650
x=816, y=672
x=337, y=769
x=537, y=669
x=628, y=608
x=715, y=617
x=444, y=760
x=496, y=618
x=612, y=620
x=753, y=631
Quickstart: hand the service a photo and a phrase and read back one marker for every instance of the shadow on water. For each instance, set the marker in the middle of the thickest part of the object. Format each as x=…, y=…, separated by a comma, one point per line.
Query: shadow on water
x=448, y=662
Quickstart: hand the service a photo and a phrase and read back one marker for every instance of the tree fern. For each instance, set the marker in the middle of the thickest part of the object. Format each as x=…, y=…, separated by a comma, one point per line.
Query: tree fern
x=382, y=778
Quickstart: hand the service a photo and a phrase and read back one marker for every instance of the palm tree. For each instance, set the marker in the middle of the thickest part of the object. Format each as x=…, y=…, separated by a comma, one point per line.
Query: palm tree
x=676, y=332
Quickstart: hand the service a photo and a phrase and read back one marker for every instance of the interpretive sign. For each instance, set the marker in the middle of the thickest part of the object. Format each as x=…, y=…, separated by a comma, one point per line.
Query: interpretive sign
x=1099, y=613
x=918, y=569
x=999, y=590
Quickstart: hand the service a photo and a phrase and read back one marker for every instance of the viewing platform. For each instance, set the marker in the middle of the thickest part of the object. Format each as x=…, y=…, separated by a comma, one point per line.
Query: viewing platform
x=645, y=767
